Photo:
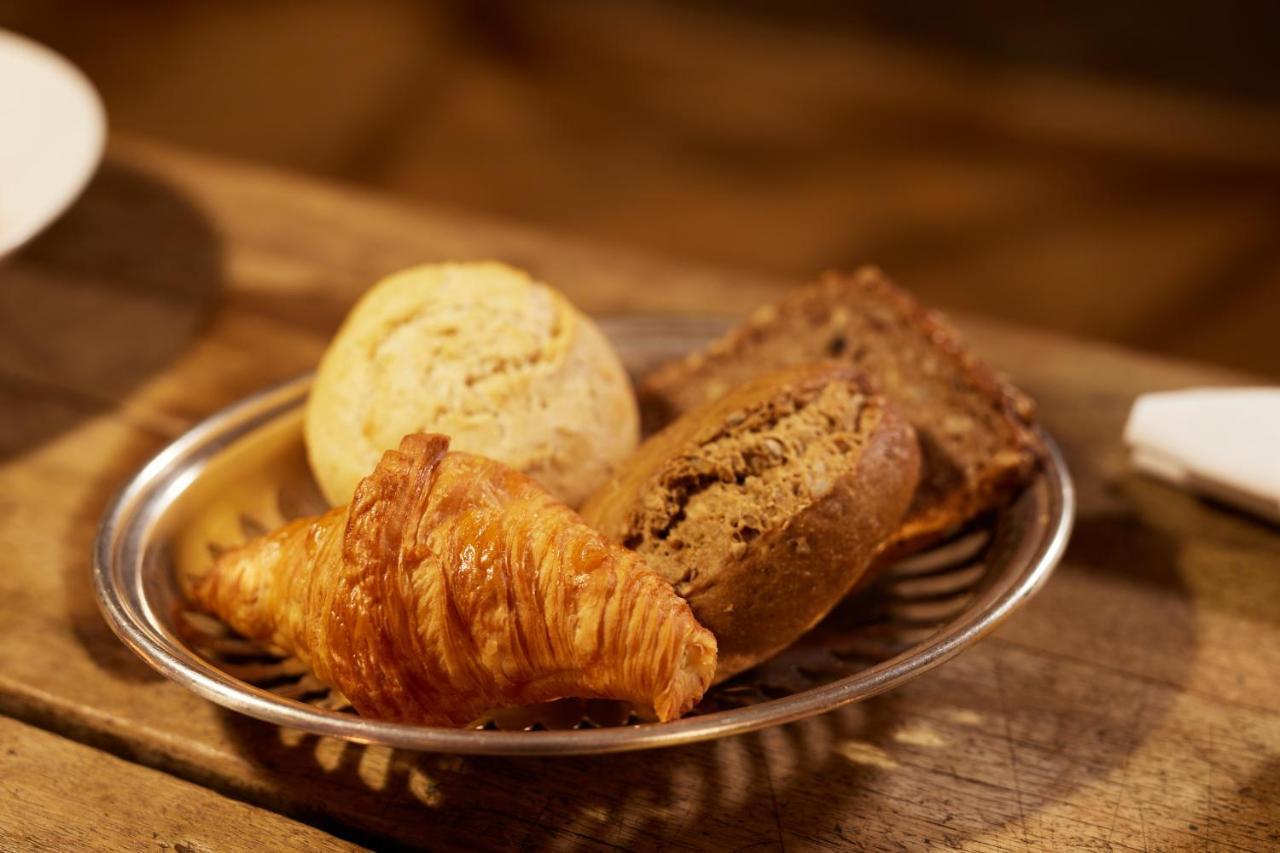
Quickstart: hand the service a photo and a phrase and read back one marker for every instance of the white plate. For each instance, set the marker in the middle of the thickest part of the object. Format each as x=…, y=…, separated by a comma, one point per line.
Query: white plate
x=52, y=130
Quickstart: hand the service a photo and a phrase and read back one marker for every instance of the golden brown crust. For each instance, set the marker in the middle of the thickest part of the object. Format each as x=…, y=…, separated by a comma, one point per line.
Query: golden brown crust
x=976, y=430
x=455, y=586
x=767, y=505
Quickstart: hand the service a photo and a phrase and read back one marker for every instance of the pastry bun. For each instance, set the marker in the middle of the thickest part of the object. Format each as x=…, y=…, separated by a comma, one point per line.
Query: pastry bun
x=502, y=364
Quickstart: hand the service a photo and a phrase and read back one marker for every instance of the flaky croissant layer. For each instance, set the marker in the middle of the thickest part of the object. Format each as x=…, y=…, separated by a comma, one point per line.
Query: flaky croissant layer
x=453, y=586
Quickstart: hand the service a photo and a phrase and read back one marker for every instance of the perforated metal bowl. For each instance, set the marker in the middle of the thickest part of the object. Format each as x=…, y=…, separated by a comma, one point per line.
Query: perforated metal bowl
x=243, y=471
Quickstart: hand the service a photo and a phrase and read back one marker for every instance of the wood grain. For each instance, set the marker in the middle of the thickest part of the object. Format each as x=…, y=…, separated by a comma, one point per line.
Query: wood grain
x=59, y=795
x=1051, y=196
x=1132, y=705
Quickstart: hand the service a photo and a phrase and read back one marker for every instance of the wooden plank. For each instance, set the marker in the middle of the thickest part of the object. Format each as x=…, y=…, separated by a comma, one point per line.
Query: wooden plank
x=1082, y=204
x=59, y=795
x=1008, y=194
x=1132, y=704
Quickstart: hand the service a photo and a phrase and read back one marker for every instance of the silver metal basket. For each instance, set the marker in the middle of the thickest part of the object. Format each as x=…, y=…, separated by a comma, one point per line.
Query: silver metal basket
x=243, y=471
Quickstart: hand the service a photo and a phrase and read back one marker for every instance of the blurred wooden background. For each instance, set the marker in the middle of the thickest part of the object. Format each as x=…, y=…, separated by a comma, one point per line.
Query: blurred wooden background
x=1107, y=169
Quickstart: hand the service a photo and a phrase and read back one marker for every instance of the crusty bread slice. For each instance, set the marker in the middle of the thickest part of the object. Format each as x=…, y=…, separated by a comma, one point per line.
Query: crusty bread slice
x=767, y=505
x=975, y=430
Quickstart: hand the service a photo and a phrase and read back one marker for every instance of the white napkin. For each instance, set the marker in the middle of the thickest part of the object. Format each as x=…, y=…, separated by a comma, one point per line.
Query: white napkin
x=1222, y=442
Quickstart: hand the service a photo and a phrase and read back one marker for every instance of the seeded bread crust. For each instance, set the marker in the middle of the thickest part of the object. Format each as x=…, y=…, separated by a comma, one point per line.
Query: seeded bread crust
x=975, y=429
x=766, y=506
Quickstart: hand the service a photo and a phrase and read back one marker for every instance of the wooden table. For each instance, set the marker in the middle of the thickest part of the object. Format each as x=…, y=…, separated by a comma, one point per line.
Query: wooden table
x=1133, y=705
x=783, y=147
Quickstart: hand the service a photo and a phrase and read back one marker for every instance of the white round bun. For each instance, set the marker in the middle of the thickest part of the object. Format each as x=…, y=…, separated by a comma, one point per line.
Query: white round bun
x=503, y=365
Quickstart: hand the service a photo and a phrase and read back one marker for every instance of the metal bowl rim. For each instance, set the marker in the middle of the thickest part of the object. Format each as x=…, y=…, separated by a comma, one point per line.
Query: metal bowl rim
x=112, y=564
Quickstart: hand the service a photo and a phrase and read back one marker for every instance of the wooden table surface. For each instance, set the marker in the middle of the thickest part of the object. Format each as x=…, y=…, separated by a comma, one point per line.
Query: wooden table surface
x=711, y=131
x=1133, y=704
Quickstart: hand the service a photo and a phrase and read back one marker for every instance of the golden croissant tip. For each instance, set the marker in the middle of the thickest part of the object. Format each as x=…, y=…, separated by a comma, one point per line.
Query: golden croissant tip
x=691, y=680
x=423, y=444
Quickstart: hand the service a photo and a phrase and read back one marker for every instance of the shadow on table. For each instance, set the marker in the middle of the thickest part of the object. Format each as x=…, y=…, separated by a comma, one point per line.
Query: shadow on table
x=107, y=298
x=734, y=793
x=111, y=295
x=1237, y=550
x=83, y=618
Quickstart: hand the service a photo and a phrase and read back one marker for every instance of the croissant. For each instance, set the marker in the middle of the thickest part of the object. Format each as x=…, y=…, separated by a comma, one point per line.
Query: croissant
x=453, y=586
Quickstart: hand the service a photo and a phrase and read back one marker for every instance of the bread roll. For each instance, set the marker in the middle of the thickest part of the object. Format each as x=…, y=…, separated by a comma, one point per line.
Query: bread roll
x=976, y=431
x=766, y=506
x=503, y=365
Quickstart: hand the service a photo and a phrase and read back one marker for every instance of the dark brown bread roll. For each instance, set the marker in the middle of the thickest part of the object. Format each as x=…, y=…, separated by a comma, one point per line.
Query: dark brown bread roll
x=975, y=430
x=766, y=506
